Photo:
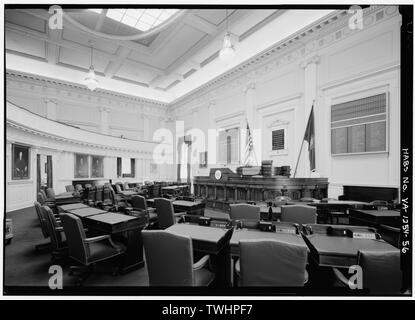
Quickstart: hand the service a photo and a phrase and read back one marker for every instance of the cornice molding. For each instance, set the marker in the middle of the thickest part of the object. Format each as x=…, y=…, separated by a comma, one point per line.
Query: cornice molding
x=304, y=43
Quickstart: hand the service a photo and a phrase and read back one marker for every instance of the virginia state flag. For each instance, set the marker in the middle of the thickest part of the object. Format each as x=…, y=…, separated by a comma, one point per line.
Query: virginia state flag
x=309, y=137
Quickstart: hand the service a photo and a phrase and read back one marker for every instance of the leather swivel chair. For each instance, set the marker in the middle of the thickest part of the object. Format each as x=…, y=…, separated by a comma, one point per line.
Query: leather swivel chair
x=56, y=234
x=169, y=260
x=299, y=214
x=244, y=211
x=43, y=223
x=70, y=188
x=50, y=194
x=381, y=271
x=165, y=213
x=139, y=203
x=272, y=263
x=87, y=251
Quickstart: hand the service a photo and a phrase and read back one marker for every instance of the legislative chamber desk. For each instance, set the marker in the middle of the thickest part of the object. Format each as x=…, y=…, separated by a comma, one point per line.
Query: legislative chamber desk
x=375, y=218
x=67, y=198
x=209, y=240
x=72, y=206
x=331, y=249
x=223, y=187
x=86, y=212
x=126, y=229
x=190, y=207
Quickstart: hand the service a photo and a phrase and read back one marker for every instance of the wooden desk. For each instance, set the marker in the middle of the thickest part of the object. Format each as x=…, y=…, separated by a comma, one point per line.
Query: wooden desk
x=67, y=207
x=126, y=229
x=190, y=207
x=86, y=212
x=340, y=205
x=66, y=198
x=339, y=251
x=374, y=218
x=213, y=241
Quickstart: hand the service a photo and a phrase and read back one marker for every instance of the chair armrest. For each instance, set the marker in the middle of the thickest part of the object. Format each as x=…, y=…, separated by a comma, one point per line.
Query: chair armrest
x=179, y=214
x=96, y=239
x=60, y=229
x=201, y=263
x=341, y=277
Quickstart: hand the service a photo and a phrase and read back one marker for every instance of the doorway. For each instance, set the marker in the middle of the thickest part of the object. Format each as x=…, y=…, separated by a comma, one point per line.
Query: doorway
x=44, y=172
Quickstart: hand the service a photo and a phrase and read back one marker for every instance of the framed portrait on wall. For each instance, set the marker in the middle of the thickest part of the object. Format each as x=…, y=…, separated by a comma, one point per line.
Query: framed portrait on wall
x=203, y=159
x=20, y=162
x=81, y=166
x=97, y=167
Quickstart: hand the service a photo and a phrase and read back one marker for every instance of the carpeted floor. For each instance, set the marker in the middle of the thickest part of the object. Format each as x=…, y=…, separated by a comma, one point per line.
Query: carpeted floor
x=26, y=267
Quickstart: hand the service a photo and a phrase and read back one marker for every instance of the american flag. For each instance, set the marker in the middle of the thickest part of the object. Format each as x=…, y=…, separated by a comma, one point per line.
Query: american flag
x=249, y=146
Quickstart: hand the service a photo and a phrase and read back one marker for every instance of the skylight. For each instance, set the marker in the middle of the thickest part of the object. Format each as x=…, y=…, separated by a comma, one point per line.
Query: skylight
x=141, y=19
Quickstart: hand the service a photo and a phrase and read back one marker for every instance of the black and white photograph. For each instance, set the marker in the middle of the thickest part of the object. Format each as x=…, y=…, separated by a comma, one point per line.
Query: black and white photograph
x=201, y=150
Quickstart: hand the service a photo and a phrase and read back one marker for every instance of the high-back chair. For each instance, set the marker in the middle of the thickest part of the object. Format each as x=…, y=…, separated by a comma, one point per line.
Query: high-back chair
x=87, y=251
x=50, y=193
x=55, y=230
x=381, y=271
x=244, y=211
x=98, y=196
x=165, y=213
x=88, y=185
x=272, y=263
x=41, y=198
x=70, y=188
x=43, y=223
x=91, y=196
x=78, y=188
x=299, y=214
x=118, y=188
x=139, y=203
x=169, y=259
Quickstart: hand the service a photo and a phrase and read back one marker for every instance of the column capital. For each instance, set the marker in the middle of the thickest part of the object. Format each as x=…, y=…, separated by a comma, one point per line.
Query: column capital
x=104, y=109
x=50, y=100
x=249, y=86
x=310, y=60
x=211, y=103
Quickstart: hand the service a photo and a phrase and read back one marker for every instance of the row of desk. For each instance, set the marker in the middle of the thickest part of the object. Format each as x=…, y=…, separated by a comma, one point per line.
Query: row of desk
x=324, y=250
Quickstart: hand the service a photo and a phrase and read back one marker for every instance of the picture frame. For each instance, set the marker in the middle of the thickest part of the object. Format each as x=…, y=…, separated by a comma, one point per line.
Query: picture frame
x=81, y=166
x=97, y=167
x=20, y=162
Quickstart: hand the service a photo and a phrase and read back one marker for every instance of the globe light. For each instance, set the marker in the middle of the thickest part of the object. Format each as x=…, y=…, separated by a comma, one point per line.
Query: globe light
x=227, y=52
x=90, y=80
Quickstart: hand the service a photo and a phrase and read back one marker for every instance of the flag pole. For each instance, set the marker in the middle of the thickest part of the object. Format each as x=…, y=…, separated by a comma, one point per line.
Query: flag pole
x=302, y=143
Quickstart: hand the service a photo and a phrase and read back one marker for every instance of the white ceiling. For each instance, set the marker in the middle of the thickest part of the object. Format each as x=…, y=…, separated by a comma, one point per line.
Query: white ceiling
x=163, y=66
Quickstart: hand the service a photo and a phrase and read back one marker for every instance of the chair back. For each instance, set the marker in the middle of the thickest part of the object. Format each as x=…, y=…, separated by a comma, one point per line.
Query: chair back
x=272, y=263
x=299, y=214
x=139, y=202
x=106, y=196
x=88, y=185
x=50, y=193
x=98, y=194
x=55, y=236
x=244, y=211
x=78, y=187
x=118, y=188
x=381, y=271
x=75, y=235
x=92, y=194
x=126, y=186
x=169, y=258
x=70, y=188
x=42, y=219
x=41, y=198
x=43, y=193
x=165, y=212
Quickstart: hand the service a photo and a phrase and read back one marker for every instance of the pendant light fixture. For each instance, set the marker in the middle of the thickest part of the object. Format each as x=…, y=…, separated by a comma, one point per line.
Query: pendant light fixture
x=90, y=80
x=227, y=52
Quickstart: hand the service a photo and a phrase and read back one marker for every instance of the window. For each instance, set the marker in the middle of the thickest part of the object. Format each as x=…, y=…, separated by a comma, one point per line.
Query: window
x=141, y=19
x=278, y=142
x=228, y=146
x=359, y=126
